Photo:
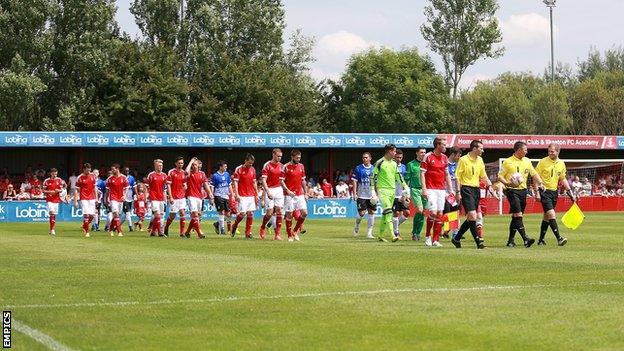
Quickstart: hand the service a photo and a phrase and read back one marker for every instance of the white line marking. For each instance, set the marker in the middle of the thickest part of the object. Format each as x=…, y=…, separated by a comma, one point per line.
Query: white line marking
x=309, y=295
x=40, y=337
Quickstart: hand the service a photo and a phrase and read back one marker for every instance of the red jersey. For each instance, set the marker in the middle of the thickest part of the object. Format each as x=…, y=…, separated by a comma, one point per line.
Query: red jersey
x=195, y=184
x=435, y=168
x=139, y=203
x=86, y=186
x=294, y=174
x=116, y=186
x=246, y=178
x=53, y=184
x=176, y=180
x=156, y=184
x=273, y=172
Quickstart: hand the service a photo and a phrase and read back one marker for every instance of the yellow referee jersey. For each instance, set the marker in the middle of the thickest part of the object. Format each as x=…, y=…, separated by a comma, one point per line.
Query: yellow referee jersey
x=470, y=170
x=551, y=171
x=513, y=165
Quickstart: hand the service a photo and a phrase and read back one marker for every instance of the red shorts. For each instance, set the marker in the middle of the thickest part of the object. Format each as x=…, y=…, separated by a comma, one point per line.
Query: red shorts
x=482, y=207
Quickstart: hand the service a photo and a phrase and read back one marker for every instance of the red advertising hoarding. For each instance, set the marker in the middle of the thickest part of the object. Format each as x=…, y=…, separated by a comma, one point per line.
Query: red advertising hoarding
x=534, y=141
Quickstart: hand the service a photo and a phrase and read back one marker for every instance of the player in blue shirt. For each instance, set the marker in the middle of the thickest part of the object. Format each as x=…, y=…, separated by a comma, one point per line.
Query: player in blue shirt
x=129, y=197
x=364, y=194
x=221, y=186
x=100, y=186
x=454, y=153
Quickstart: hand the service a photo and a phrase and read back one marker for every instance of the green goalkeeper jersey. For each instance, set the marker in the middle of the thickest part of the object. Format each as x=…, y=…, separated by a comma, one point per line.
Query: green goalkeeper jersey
x=386, y=174
x=412, y=177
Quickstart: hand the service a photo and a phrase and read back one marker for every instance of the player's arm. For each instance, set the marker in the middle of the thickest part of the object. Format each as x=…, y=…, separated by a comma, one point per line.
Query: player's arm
x=189, y=165
x=502, y=175
x=285, y=188
x=169, y=192
x=235, y=188
x=449, y=182
x=255, y=184
x=265, y=187
x=423, y=182
x=354, y=181
x=77, y=194
x=304, y=185
x=208, y=191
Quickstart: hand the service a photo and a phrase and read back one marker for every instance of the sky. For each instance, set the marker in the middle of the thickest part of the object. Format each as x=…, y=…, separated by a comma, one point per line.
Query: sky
x=342, y=28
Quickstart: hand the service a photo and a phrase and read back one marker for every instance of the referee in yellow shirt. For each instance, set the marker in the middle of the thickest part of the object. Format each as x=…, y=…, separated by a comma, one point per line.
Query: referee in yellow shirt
x=513, y=175
x=552, y=170
x=470, y=169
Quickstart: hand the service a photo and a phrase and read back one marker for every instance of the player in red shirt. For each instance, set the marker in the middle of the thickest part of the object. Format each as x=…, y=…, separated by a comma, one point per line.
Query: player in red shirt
x=86, y=192
x=116, y=186
x=296, y=194
x=52, y=188
x=140, y=205
x=435, y=178
x=272, y=178
x=246, y=193
x=156, y=181
x=196, y=184
x=176, y=190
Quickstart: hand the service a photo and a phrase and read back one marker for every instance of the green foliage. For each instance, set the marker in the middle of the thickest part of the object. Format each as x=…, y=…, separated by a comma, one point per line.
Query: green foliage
x=462, y=32
x=514, y=104
x=386, y=91
x=19, y=92
x=597, y=104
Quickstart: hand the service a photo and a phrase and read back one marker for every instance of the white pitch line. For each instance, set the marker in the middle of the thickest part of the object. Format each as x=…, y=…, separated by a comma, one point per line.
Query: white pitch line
x=40, y=337
x=309, y=295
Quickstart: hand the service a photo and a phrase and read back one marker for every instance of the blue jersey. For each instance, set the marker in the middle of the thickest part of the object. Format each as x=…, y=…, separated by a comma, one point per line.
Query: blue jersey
x=452, y=167
x=101, y=186
x=221, y=183
x=130, y=190
x=398, y=192
x=363, y=176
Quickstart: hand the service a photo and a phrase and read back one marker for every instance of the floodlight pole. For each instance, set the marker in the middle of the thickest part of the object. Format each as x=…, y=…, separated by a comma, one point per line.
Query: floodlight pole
x=551, y=4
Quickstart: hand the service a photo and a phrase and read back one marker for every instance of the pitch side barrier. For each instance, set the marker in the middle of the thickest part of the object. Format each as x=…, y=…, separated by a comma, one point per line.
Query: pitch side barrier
x=294, y=140
x=35, y=211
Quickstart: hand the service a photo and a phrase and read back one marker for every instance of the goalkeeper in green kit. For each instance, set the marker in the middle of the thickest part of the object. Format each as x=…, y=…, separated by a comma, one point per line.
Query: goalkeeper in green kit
x=385, y=177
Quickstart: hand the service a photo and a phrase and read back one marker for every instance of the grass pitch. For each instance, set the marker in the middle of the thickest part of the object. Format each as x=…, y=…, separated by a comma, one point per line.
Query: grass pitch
x=330, y=291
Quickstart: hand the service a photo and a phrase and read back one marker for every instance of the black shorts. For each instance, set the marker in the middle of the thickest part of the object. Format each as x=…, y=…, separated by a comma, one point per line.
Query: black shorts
x=365, y=205
x=127, y=206
x=470, y=196
x=222, y=204
x=399, y=206
x=548, y=199
x=517, y=200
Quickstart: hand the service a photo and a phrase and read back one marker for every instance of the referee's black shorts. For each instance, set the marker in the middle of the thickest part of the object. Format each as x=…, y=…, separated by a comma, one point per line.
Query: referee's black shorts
x=470, y=196
x=365, y=205
x=222, y=204
x=517, y=200
x=548, y=199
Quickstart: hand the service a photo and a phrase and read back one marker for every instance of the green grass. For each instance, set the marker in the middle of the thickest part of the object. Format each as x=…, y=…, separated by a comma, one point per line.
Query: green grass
x=556, y=302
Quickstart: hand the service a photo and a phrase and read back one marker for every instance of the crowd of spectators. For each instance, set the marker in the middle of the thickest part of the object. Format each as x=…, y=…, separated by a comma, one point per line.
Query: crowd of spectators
x=608, y=185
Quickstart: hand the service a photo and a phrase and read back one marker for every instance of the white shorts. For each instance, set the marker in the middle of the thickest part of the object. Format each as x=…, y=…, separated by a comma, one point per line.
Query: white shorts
x=246, y=204
x=116, y=206
x=195, y=204
x=278, y=198
x=52, y=207
x=178, y=205
x=88, y=207
x=295, y=203
x=158, y=206
x=436, y=199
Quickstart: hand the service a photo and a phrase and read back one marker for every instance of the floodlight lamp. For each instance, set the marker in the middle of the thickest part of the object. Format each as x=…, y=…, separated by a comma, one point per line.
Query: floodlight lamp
x=550, y=3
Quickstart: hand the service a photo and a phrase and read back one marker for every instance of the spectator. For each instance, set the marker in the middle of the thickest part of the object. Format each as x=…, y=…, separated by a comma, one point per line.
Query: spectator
x=318, y=192
x=311, y=193
x=72, y=184
x=4, y=184
x=576, y=185
x=312, y=182
x=22, y=195
x=328, y=189
x=586, y=187
x=36, y=193
x=343, y=177
x=25, y=186
x=40, y=172
x=34, y=182
x=9, y=194
x=342, y=190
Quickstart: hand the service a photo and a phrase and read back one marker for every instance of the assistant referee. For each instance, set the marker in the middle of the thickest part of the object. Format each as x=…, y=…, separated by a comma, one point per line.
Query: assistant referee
x=552, y=170
x=470, y=169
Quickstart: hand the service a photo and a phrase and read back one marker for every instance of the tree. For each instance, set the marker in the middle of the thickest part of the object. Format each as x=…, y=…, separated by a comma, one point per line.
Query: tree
x=384, y=91
x=514, y=104
x=461, y=32
x=19, y=91
x=595, y=63
x=597, y=105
